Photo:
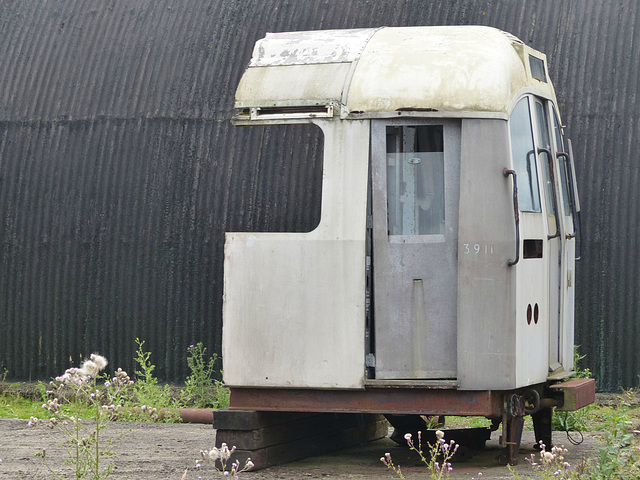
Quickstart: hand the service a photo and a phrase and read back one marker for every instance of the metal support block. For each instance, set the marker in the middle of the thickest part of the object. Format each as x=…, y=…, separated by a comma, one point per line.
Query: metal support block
x=274, y=438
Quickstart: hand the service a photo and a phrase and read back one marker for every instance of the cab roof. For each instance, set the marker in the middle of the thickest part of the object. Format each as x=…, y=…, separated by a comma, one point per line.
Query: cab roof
x=452, y=71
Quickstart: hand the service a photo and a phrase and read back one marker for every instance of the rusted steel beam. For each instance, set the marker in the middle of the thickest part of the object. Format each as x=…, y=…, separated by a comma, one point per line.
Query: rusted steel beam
x=370, y=400
x=577, y=393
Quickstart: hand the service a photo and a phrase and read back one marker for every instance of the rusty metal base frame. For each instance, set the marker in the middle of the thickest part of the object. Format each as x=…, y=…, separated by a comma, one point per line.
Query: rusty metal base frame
x=506, y=407
x=412, y=400
x=501, y=406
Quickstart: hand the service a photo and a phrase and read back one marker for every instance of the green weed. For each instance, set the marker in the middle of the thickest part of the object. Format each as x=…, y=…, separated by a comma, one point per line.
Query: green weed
x=616, y=457
x=147, y=397
x=201, y=389
x=574, y=421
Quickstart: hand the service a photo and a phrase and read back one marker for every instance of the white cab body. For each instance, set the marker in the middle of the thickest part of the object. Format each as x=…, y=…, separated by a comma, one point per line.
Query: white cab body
x=410, y=275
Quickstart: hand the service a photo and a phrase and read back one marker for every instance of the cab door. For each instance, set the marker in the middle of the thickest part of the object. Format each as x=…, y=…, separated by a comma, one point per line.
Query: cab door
x=415, y=195
x=567, y=210
x=561, y=243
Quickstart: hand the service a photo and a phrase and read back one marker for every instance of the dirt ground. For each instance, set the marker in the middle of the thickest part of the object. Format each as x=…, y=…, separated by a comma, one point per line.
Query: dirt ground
x=164, y=451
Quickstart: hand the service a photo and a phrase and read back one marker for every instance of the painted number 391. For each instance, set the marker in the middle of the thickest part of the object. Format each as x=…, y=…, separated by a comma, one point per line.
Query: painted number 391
x=476, y=248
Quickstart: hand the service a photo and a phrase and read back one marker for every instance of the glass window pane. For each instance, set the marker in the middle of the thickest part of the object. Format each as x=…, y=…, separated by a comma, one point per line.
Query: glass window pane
x=524, y=157
x=415, y=180
x=558, y=133
x=562, y=161
x=543, y=126
x=537, y=68
x=545, y=142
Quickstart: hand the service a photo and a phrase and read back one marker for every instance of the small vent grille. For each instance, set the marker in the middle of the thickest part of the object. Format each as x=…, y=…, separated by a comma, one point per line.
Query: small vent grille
x=292, y=112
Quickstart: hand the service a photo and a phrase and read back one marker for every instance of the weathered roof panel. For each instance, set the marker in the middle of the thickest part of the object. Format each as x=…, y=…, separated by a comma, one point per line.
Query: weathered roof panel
x=458, y=70
x=314, y=84
x=444, y=69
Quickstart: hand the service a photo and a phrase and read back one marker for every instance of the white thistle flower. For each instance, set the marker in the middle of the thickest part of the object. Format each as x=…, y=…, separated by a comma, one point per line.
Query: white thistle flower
x=89, y=368
x=225, y=453
x=214, y=454
x=99, y=360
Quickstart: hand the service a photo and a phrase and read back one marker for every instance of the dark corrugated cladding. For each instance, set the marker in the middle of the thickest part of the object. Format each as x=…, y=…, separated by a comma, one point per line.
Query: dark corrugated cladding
x=120, y=172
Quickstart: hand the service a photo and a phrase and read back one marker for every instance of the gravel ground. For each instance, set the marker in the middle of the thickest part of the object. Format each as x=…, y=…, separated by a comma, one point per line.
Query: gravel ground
x=164, y=451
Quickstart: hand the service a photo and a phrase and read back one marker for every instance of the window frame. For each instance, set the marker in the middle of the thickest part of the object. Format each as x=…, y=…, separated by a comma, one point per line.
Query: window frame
x=530, y=184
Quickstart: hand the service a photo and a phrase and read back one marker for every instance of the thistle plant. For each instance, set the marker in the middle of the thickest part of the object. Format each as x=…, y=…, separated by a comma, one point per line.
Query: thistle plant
x=616, y=458
x=551, y=464
x=219, y=458
x=437, y=457
x=390, y=465
x=67, y=396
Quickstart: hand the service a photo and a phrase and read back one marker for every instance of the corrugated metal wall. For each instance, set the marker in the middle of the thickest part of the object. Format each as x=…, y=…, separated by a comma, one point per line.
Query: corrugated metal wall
x=119, y=170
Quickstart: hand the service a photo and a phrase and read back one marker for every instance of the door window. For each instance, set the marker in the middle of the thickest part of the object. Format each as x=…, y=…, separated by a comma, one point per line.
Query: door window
x=544, y=141
x=415, y=180
x=524, y=157
x=564, y=177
